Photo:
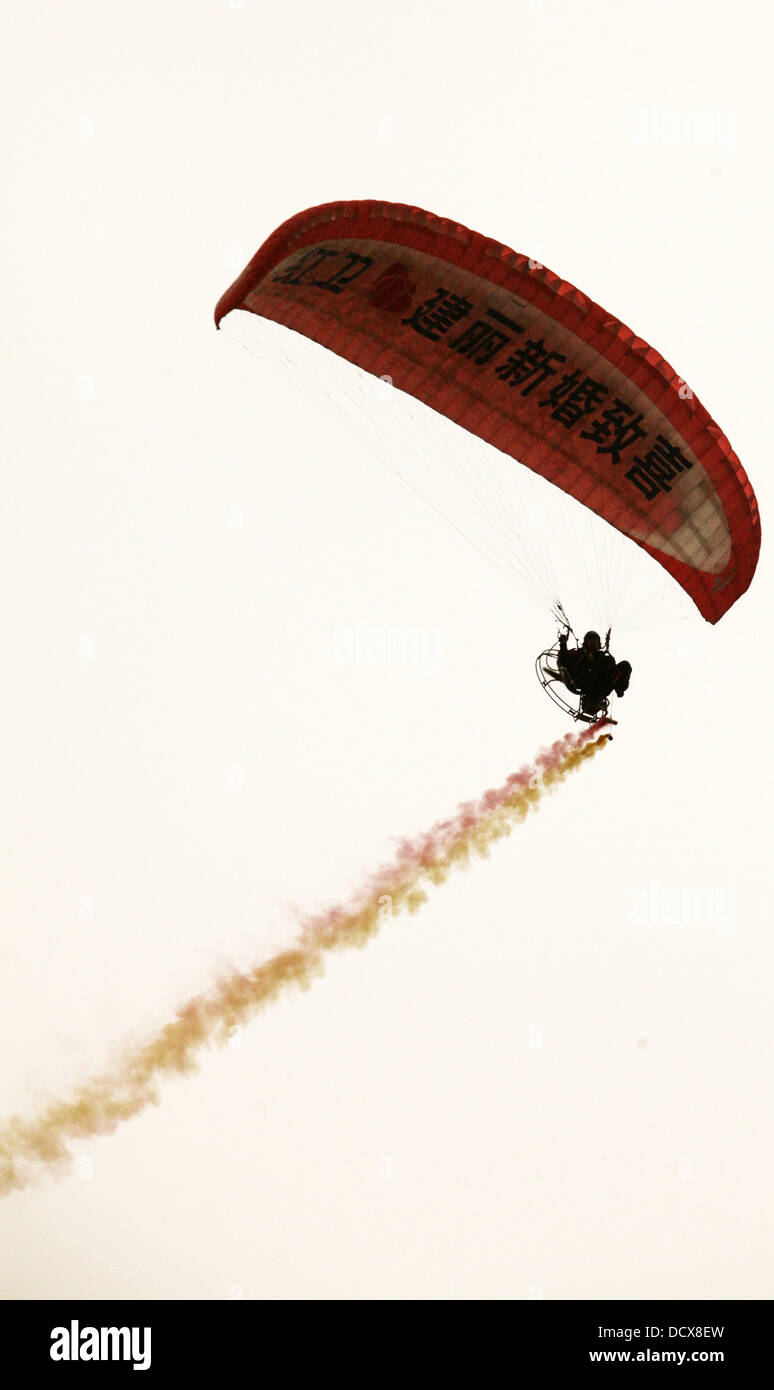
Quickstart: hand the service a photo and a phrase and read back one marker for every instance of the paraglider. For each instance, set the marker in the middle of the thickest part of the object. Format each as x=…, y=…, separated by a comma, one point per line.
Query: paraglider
x=516, y=357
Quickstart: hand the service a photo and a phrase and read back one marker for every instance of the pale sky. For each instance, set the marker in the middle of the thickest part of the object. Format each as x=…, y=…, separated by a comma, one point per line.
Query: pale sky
x=555, y=1080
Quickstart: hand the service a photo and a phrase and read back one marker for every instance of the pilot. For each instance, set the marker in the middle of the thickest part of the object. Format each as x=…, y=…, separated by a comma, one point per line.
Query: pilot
x=591, y=671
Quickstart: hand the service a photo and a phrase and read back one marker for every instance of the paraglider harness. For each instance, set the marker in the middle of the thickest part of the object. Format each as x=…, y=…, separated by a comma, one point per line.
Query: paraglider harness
x=560, y=687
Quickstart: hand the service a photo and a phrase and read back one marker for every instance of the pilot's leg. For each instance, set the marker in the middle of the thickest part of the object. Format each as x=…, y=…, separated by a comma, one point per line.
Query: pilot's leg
x=623, y=672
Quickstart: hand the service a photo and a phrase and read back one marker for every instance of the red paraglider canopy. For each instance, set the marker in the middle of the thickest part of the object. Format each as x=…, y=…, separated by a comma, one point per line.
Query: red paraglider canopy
x=519, y=357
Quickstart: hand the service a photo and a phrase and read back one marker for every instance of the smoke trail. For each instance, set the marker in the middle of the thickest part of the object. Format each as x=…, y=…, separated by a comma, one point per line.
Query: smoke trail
x=98, y=1106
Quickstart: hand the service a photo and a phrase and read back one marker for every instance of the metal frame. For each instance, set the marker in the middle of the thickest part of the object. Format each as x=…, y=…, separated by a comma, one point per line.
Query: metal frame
x=553, y=684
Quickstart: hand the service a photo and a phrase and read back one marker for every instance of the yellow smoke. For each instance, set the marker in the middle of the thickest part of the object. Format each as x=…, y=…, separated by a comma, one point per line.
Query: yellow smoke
x=99, y=1105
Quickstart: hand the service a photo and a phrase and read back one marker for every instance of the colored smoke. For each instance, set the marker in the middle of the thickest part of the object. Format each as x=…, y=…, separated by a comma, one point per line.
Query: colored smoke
x=28, y=1146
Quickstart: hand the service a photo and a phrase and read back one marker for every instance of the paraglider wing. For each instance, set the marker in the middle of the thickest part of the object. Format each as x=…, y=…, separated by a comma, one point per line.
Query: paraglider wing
x=522, y=359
